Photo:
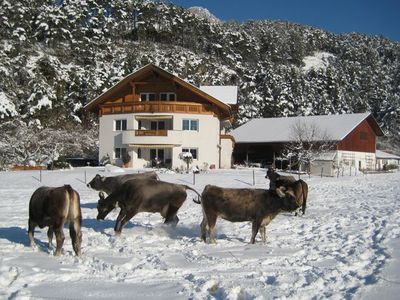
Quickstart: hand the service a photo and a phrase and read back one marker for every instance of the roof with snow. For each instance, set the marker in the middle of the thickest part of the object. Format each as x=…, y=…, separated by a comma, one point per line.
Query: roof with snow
x=226, y=94
x=275, y=130
x=384, y=155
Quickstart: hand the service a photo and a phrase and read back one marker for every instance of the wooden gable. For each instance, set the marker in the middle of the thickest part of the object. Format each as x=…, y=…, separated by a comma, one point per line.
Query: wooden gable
x=361, y=139
x=151, y=79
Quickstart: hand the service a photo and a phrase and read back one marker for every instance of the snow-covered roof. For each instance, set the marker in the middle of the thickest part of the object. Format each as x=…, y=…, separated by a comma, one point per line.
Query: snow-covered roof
x=384, y=155
x=224, y=93
x=270, y=130
x=326, y=156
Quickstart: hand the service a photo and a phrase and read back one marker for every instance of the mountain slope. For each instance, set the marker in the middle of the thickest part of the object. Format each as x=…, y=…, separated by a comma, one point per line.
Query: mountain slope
x=54, y=58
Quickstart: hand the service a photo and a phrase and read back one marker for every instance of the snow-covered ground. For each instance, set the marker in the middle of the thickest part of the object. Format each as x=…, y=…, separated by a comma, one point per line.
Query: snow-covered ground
x=345, y=246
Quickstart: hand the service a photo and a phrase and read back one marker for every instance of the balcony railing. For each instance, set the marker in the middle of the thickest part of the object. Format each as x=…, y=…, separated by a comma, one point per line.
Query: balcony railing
x=152, y=137
x=142, y=132
x=156, y=107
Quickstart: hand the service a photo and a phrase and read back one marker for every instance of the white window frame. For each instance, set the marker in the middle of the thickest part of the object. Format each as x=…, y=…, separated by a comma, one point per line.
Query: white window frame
x=147, y=96
x=191, y=149
x=121, y=152
x=121, y=123
x=190, y=124
x=169, y=95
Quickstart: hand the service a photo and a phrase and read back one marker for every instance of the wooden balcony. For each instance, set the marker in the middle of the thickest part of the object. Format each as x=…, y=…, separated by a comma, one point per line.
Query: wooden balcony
x=152, y=137
x=156, y=107
x=142, y=132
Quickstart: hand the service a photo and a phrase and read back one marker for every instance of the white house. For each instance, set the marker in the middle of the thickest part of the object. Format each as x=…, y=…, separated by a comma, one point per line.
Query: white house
x=152, y=116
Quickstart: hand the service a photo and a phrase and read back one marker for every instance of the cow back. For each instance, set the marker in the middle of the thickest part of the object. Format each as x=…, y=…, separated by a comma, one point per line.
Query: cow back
x=48, y=204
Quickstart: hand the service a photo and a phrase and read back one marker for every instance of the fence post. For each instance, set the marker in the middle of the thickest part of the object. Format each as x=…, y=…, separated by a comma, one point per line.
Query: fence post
x=322, y=171
x=85, y=176
x=194, y=178
x=254, y=181
x=40, y=175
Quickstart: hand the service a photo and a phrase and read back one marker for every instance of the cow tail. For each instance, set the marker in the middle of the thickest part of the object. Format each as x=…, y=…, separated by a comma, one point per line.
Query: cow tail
x=74, y=210
x=304, y=189
x=198, y=201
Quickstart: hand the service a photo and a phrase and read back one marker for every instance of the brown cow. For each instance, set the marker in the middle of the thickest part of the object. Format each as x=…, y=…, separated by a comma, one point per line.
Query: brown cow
x=301, y=191
x=110, y=184
x=273, y=177
x=53, y=207
x=143, y=195
x=238, y=205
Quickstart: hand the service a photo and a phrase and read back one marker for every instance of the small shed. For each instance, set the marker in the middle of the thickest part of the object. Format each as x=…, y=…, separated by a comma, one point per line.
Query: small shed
x=324, y=164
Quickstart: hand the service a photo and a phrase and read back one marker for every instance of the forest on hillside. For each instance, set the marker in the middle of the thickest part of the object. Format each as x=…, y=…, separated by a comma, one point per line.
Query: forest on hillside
x=55, y=56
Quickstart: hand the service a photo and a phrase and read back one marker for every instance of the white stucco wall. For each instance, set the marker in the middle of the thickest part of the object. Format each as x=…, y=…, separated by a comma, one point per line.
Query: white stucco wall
x=205, y=140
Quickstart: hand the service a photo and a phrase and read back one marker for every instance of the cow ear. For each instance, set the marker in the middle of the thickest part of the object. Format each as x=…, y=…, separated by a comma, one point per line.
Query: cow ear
x=280, y=191
x=101, y=195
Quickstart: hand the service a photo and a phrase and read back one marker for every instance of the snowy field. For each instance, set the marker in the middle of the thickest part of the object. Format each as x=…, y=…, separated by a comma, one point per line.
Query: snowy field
x=346, y=245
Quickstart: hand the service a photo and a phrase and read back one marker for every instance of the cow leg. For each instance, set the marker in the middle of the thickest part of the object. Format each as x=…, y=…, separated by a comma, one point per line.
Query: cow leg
x=255, y=227
x=76, y=236
x=211, y=221
x=171, y=217
x=31, y=231
x=303, y=207
x=263, y=234
x=50, y=232
x=123, y=220
x=204, y=227
x=58, y=230
x=118, y=222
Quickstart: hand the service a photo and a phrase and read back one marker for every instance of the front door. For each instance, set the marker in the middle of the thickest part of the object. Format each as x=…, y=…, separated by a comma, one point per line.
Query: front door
x=156, y=157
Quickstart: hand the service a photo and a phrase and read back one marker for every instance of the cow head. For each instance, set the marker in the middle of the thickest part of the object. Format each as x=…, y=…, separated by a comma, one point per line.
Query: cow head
x=96, y=182
x=271, y=174
x=288, y=198
x=104, y=206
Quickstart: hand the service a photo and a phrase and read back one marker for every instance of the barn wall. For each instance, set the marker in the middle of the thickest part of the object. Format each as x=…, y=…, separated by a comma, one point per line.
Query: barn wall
x=361, y=139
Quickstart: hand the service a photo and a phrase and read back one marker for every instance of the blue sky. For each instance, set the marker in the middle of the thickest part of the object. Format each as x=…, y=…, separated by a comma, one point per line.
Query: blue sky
x=381, y=17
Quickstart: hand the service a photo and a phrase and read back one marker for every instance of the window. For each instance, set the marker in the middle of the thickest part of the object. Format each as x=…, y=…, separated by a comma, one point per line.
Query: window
x=157, y=125
x=120, y=153
x=157, y=154
x=167, y=96
x=192, y=125
x=147, y=96
x=139, y=153
x=363, y=135
x=191, y=150
x=120, y=125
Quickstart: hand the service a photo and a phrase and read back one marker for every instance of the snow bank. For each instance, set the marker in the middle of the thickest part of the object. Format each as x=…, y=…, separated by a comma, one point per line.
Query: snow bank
x=320, y=60
x=345, y=246
x=113, y=169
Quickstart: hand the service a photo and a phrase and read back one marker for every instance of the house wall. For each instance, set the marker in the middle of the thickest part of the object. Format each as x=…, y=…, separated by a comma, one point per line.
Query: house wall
x=356, y=160
x=381, y=162
x=361, y=139
x=205, y=140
